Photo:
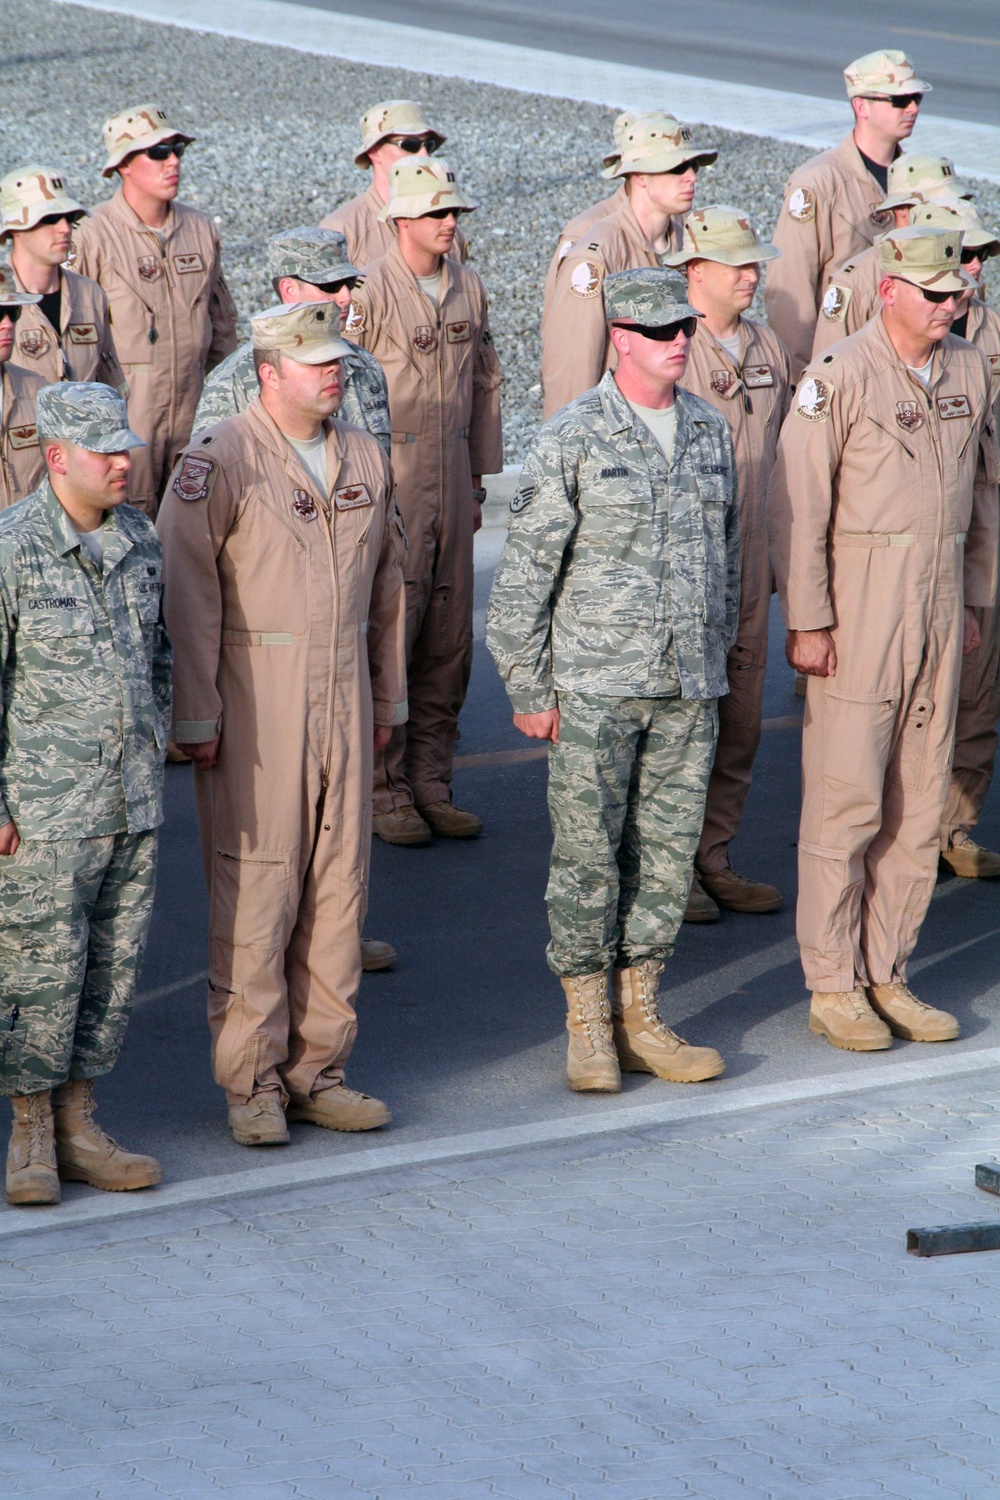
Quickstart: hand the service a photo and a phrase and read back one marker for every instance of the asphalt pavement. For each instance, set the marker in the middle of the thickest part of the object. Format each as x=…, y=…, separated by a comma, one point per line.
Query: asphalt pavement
x=776, y=44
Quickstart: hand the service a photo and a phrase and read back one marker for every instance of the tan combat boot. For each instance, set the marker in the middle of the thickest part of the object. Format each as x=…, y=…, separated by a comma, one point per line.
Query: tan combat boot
x=970, y=860
x=376, y=955
x=846, y=1019
x=86, y=1153
x=403, y=825
x=644, y=1043
x=31, y=1156
x=259, y=1120
x=591, y=1061
x=910, y=1018
x=739, y=893
x=339, y=1108
x=451, y=822
x=700, y=906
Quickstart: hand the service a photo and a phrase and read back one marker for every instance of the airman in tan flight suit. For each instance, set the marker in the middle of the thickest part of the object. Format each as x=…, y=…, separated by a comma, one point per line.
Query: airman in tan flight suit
x=21, y=463
x=832, y=205
x=740, y=368
x=425, y=319
x=37, y=215
x=395, y=130
x=159, y=262
x=284, y=601
x=660, y=165
x=582, y=222
x=883, y=523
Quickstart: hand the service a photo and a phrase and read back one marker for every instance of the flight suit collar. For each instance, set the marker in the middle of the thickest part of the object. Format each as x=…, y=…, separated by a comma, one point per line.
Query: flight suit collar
x=64, y=536
x=877, y=332
x=854, y=162
x=124, y=211
x=631, y=227
x=273, y=439
x=402, y=270
x=720, y=352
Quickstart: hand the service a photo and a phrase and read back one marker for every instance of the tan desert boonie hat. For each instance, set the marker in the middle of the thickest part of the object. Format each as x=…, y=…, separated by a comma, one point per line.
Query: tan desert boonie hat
x=31, y=194
x=9, y=294
x=658, y=143
x=956, y=213
x=134, y=130
x=929, y=258
x=421, y=185
x=883, y=73
x=308, y=333
x=395, y=117
x=722, y=233
x=623, y=122
x=917, y=179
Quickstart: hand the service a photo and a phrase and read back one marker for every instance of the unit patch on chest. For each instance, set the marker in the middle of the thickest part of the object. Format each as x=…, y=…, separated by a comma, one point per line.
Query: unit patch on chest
x=34, y=342
x=953, y=406
x=150, y=268
x=756, y=377
x=721, y=381
x=185, y=264
x=425, y=339
x=909, y=416
x=23, y=437
x=82, y=333
x=352, y=497
x=194, y=478
x=304, y=505
x=458, y=333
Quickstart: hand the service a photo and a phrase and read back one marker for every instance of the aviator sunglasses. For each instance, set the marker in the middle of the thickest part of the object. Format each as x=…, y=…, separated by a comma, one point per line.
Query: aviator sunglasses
x=414, y=143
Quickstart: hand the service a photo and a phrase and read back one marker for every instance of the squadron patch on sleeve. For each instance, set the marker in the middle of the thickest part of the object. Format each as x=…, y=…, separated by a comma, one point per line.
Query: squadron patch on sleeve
x=813, y=401
x=802, y=206
x=586, y=279
x=835, y=303
x=357, y=321
x=194, y=478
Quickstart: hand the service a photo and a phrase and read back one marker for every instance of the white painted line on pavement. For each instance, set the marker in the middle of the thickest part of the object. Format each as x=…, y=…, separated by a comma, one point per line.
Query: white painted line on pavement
x=606, y=1119
x=802, y=118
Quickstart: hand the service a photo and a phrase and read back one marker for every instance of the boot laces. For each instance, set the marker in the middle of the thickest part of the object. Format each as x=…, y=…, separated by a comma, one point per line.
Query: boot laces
x=38, y=1128
x=648, y=985
x=593, y=1011
x=87, y=1107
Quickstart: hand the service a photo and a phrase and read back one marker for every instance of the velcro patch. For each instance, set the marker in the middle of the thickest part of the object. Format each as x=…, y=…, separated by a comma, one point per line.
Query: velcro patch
x=150, y=269
x=82, y=333
x=356, y=322
x=953, y=406
x=23, y=437
x=425, y=338
x=352, y=497
x=194, y=478
x=721, y=381
x=814, y=400
x=756, y=377
x=802, y=206
x=834, y=305
x=34, y=342
x=185, y=264
x=586, y=279
x=458, y=333
x=617, y=472
x=304, y=505
x=909, y=416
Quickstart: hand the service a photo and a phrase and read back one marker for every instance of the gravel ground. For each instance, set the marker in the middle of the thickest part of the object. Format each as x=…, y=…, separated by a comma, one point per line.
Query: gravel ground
x=277, y=133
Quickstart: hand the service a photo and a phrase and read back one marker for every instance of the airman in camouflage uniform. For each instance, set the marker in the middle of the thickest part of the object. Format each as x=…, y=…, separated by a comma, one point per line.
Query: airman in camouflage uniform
x=614, y=607
x=85, y=674
x=306, y=265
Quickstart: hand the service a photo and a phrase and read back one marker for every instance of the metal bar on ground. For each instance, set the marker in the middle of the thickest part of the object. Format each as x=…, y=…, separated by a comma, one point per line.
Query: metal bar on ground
x=988, y=1176
x=954, y=1239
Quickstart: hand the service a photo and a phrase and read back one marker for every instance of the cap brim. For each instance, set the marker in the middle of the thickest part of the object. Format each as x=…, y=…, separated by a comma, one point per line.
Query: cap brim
x=933, y=281
x=426, y=203
x=19, y=299
x=677, y=314
x=341, y=273
x=361, y=160
x=67, y=208
x=143, y=144
x=755, y=257
x=911, y=86
x=117, y=442
x=665, y=163
x=320, y=354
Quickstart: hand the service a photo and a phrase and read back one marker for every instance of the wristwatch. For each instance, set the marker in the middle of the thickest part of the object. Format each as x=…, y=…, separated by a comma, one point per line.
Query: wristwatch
x=480, y=496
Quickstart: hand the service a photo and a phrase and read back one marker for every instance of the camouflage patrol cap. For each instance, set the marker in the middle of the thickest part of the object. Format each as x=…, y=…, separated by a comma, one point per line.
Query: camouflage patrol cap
x=310, y=254
x=882, y=74
x=649, y=296
x=86, y=413
x=657, y=142
x=134, y=130
x=721, y=233
x=915, y=179
x=31, y=194
x=421, y=185
x=9, y=294
x=957, y=213
x=395, y=117
x=930, y=258
x=623, y=122
x=308, y=333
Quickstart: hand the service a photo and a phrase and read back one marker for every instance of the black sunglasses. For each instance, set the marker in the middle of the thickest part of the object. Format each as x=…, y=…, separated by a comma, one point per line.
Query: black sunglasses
x=666, y=333
x=334, y=286
x=70, y=219
x=685, y=166
x=165, y=150
x=898, y=101
x=968, y=256
x=440, y=213
x=13, y=313
x=414, y=143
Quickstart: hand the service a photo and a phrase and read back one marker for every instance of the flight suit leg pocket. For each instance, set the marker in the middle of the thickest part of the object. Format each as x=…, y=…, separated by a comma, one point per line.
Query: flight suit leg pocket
x=910, y=762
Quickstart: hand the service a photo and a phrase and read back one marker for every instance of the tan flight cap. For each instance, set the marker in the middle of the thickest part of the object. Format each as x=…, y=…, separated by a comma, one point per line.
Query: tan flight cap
x=916, y=179
x=31, y=194
x=723, y=233
x=957, y=213
x=658, y=143
x=395, y=117
x=9, y=294
x=308, y=333
x=883, y=74
x=420, y=185
x=929, y=258
x=623, y=122
x=134, y=130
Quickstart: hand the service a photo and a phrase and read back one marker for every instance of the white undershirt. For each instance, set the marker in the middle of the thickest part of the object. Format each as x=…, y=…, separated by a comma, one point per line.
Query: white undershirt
x=431, y=287
x=661, y=423
x=923, y=374
x=732, y=347
x=312, y=452
x=92, y=543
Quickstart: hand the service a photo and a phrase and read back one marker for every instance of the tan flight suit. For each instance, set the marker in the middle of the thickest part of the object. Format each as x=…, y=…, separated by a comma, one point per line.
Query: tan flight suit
x=82, y=349
x=979, y=689
x=828, y=215
x=368, y=236
x=575, y=230
x=849, y=301
x=22, y=467
x=753, y=397
x=444, y=397
x=173, y=321
x=883, y=521
x=576, y=349
x=286, y=616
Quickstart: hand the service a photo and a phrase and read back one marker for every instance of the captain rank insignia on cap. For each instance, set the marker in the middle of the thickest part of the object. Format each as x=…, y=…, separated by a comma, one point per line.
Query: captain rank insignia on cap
x=802, y=206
